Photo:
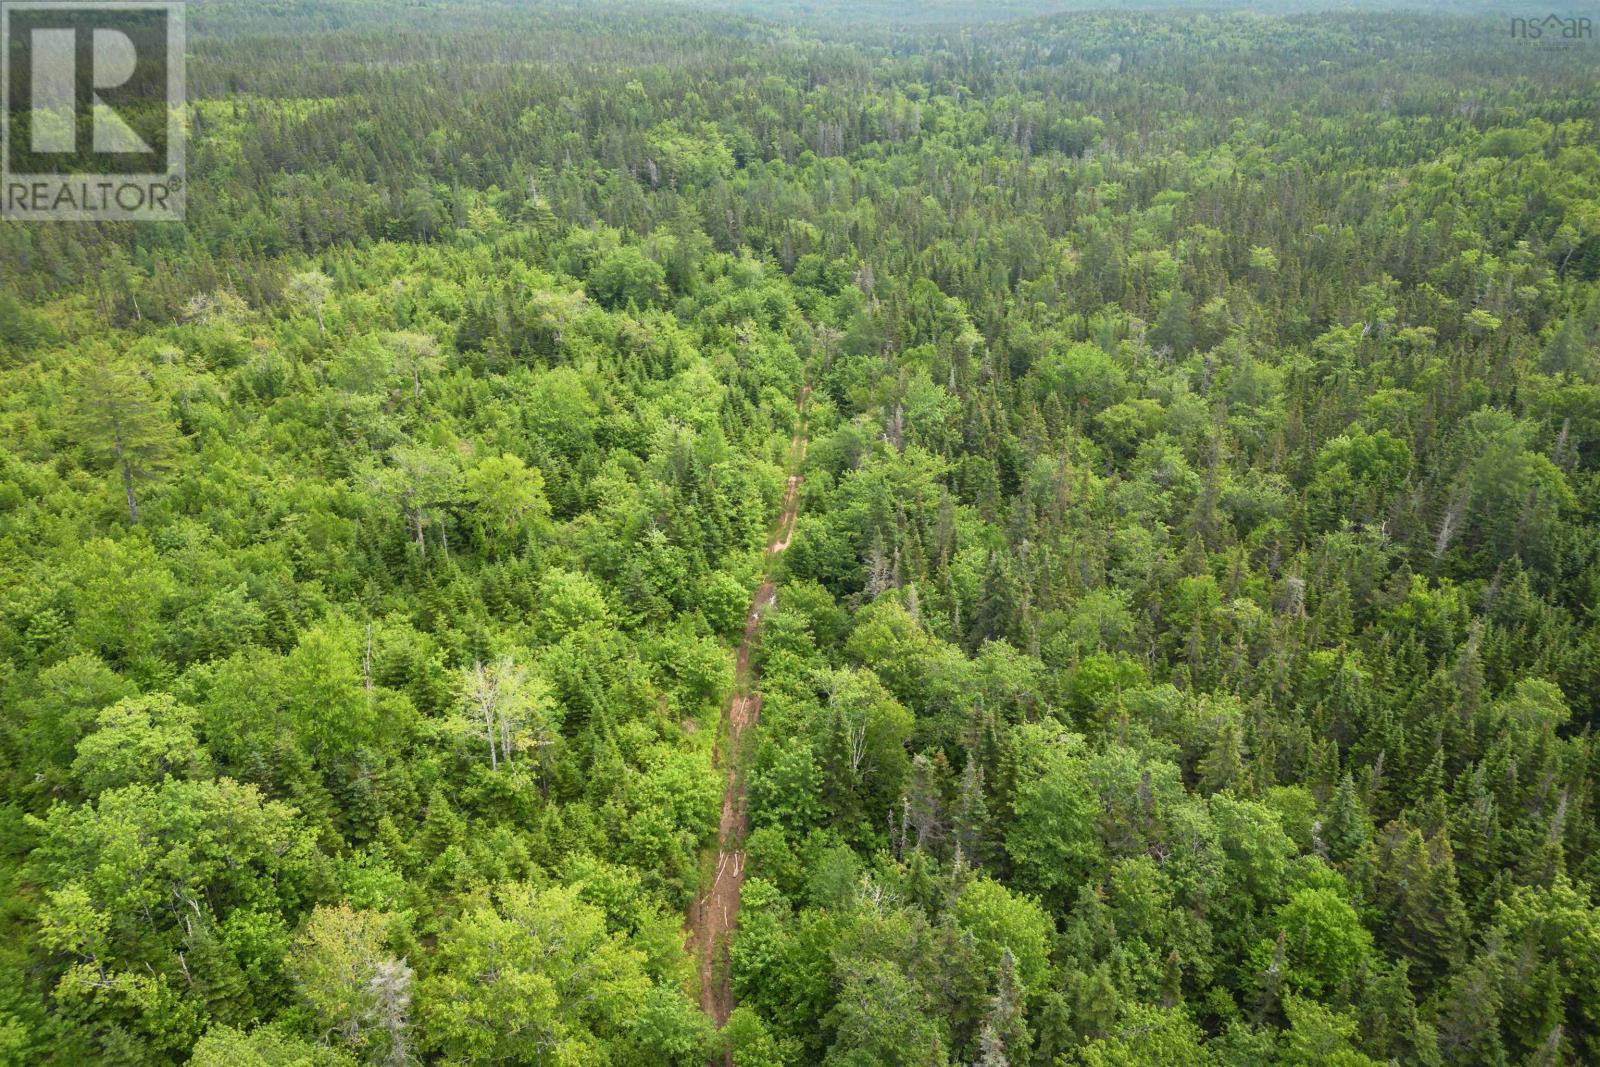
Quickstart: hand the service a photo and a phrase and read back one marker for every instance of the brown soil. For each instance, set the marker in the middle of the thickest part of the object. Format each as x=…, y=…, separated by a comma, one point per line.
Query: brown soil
x=715, y=913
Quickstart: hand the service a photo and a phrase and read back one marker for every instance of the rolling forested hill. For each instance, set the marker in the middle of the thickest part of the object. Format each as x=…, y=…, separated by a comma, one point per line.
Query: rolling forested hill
x=1186, y=651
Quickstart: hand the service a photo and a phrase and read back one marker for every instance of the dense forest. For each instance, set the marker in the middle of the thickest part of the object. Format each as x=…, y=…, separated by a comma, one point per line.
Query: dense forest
x=1187, y=651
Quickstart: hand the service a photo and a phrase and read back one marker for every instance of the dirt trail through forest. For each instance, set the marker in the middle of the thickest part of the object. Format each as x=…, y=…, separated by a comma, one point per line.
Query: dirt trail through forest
x=715, y=913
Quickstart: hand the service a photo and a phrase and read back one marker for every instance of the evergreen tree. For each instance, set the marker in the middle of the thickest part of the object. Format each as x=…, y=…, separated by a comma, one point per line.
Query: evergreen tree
x=120, y=421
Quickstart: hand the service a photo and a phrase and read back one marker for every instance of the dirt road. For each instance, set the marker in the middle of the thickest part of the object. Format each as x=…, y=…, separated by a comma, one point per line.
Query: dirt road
x=715, y=913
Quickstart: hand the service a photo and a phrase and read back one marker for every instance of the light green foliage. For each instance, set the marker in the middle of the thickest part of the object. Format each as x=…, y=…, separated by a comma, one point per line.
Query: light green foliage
x=1255, y=846
x=786, y=787
x=882, y=1021
x=333, y=711
x=1357, y=476
x=569, y=600
x=750, y=1043
x=265, y=1046
x=1147, y=1036
x=625, y=278
x=358, y=992
x=1319, y=1035
x=1053, y=841
x=1083, y=375
x=1325, y=943
x=157, y=895
x=1000, y=921
x=507, y=500
x=530, y=975
x=141, y=739
x=120, y=595
x=65, y=707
